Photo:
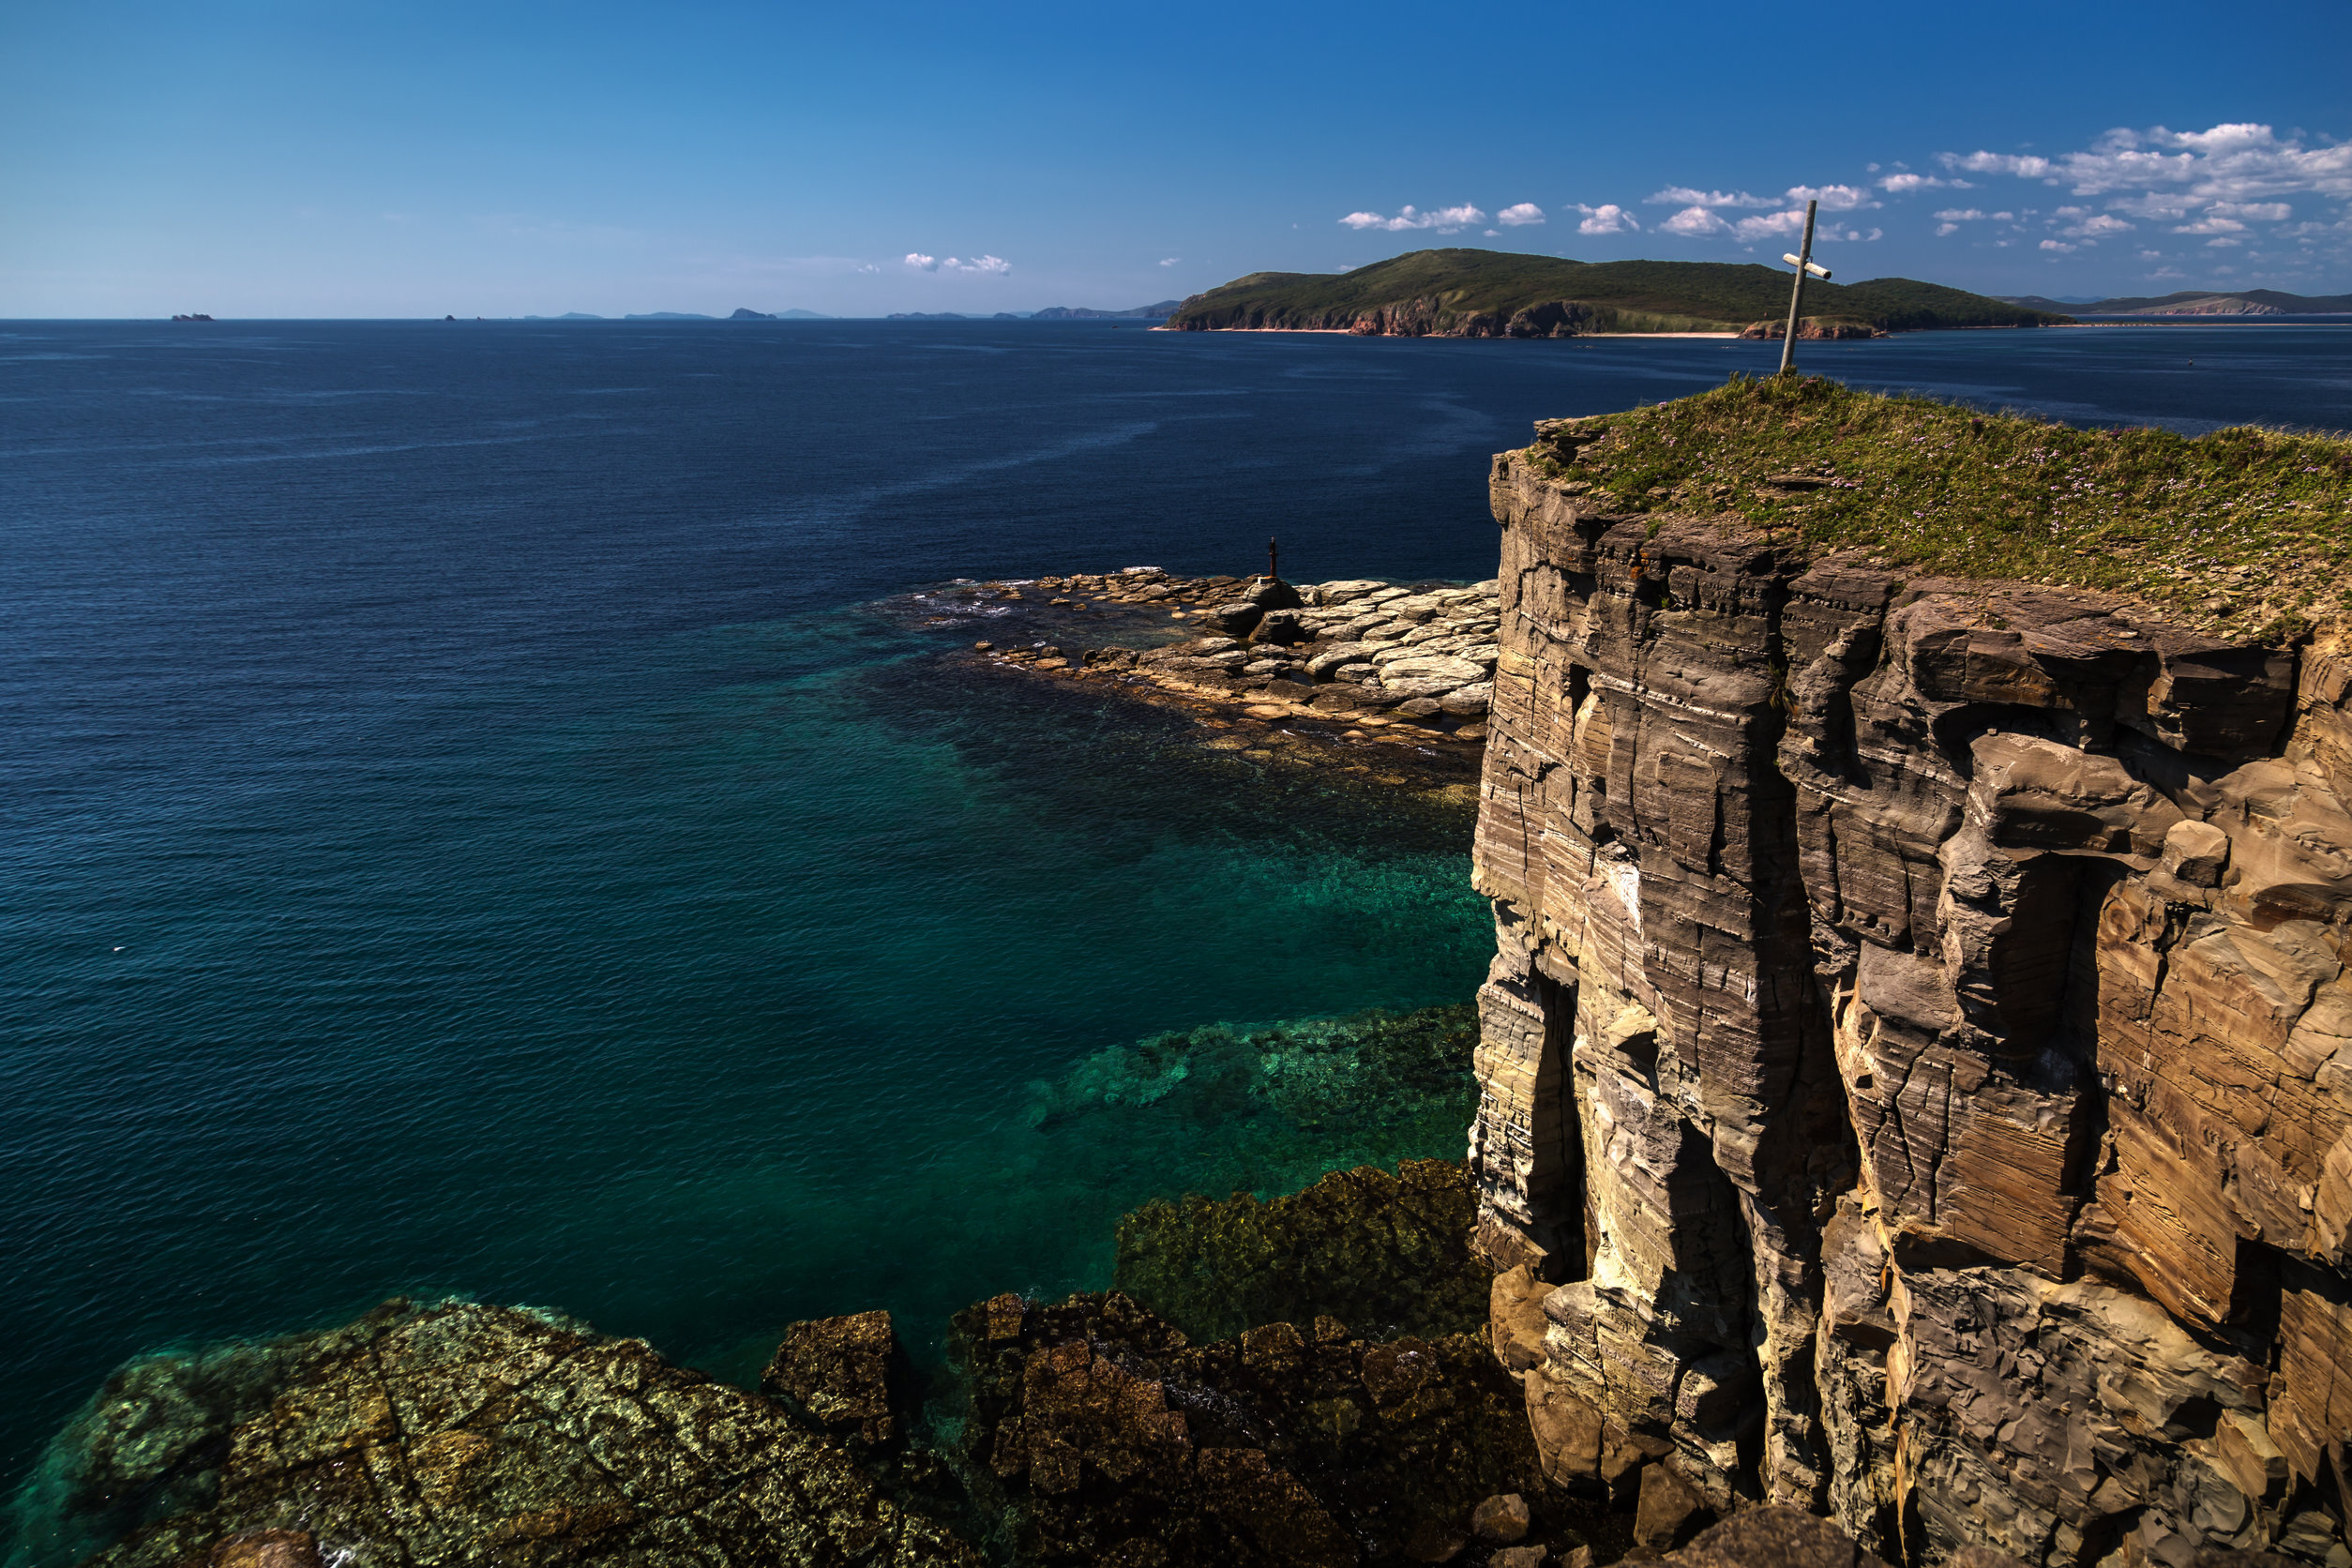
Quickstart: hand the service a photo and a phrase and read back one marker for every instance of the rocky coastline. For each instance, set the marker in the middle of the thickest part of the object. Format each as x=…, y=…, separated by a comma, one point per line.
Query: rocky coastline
x=1091, y=1430
x=1915, y=1126
x=1369, y=659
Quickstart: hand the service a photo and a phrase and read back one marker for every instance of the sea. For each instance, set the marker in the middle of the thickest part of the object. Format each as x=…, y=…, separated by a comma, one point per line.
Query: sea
x=494, y=808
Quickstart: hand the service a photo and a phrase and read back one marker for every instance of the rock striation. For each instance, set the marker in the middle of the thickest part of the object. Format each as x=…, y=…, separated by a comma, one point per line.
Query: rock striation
x=1917, y=1061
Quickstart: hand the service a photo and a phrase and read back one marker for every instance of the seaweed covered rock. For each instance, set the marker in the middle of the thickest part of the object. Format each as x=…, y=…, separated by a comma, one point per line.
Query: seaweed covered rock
x=462, y=1433
x=1386, y=1254
x=1108, y=1437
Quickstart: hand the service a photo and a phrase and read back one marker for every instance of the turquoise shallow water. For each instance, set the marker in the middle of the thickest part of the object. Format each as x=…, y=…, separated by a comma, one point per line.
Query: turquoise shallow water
x=784, y=993
x=461, y=833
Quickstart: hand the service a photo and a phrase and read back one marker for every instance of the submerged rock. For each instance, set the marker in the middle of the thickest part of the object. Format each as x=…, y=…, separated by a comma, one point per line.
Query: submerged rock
x=1385, y=1254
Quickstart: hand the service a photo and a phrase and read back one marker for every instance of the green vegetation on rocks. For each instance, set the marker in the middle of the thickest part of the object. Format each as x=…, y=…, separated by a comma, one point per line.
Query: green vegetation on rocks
x=1461, y=292
x=2244, y=532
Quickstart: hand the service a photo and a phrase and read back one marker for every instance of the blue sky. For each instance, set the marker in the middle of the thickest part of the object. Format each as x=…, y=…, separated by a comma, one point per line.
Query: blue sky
x=380, y=159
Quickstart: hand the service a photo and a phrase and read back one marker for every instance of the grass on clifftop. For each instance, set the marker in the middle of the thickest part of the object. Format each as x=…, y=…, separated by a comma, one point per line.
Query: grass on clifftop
x=2245, y=531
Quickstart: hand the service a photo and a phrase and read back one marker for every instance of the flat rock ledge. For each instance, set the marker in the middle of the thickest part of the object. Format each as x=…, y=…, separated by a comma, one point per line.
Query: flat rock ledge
x=1388, y=661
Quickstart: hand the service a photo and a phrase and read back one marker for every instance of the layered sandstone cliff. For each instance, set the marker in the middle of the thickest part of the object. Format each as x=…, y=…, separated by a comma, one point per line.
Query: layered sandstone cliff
x=1918, y=1056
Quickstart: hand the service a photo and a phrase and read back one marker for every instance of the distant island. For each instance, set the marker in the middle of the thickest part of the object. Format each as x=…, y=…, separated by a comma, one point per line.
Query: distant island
x=200, y=316
x=1460, y=293
x=1161, y=312
x=2203, y=302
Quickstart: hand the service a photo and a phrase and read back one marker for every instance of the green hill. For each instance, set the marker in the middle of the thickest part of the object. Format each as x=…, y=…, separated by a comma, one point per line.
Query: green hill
x=1494, y=294
x=2208, y=302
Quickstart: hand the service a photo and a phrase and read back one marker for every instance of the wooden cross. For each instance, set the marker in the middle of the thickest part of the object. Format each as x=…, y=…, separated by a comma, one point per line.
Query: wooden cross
x=1803, y=261
x=1273, y=555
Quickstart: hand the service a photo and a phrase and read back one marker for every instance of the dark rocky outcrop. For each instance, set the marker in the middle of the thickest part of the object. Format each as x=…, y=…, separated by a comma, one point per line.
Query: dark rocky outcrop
x=1101, y=1436
x=462, y=1433
x=838, y=1371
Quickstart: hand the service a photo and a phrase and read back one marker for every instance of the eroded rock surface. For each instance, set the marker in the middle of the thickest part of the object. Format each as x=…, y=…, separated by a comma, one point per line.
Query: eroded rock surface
x=1917, y=1061
x=466, y=1433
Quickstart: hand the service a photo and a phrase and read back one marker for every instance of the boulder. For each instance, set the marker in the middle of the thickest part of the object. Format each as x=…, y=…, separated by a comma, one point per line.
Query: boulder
x=1670, y=1510
x=1432, y=667
x=1500, y=1519
x=1239, y=617
x=1281, y=625
x=1783, y=1537
x=838, y=1370
x=1470, y=700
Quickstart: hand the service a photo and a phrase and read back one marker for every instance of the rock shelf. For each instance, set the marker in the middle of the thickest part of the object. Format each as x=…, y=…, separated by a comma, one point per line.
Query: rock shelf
x=1385, y=660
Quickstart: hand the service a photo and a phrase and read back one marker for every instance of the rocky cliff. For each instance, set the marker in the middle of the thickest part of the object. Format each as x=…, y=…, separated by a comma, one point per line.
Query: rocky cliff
x=1917, y=1061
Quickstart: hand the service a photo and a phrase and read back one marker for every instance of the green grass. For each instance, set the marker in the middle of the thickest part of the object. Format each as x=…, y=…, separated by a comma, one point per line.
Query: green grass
x=2245, y=531
x=1631, y=296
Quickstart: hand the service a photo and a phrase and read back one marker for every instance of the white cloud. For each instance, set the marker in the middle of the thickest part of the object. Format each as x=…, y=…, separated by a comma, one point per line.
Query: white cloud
x=1170, y=260
x=1958, y=215
x=921, y=262
x=1834, y=198
x=1792, y=222
x=1943, y=229
x=1683, y=195
x=1519, y=213
x=1998, y=163
x=2060, y=245
x=2096, y=227
x=1610, y=219
x=2230, y=163
x=1445, y=221
x=2233, y=185
x=1906, y=185
x=1693, y=222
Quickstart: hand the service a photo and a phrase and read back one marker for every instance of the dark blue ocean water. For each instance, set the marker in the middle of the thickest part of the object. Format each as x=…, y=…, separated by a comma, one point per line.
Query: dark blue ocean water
x=464, y=832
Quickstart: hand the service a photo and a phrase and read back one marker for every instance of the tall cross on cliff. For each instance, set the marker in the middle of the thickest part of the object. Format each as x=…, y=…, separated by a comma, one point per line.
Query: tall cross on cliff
x=1273, y=555
x=1803, y=261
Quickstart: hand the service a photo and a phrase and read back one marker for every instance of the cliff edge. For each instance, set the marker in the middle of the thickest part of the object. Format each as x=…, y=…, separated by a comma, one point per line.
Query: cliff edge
x=1917, y=1059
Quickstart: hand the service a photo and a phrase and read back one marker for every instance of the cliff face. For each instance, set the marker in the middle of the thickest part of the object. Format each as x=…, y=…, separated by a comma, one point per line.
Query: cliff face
x=1917, y=1061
